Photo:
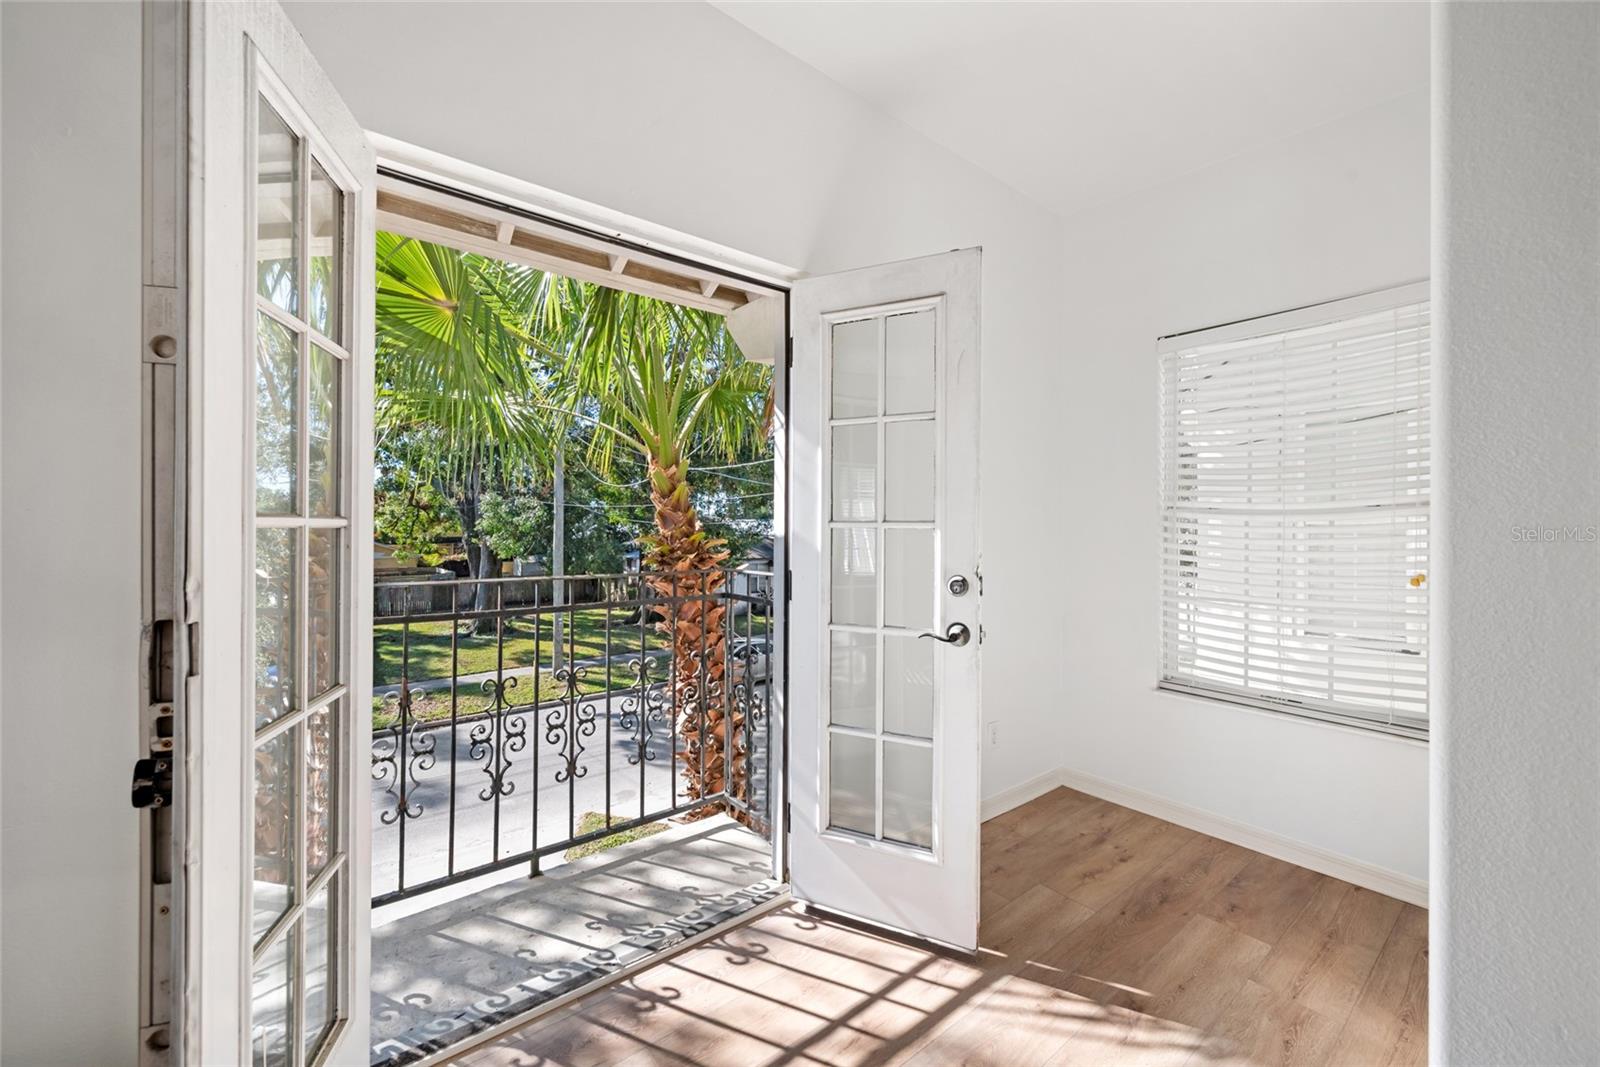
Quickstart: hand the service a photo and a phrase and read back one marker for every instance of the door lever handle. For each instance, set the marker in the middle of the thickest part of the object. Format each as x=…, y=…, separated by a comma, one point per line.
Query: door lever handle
x=957, y=635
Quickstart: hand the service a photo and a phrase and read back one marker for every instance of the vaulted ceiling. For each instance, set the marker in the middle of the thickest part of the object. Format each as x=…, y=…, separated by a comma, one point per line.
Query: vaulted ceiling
x=1075, y=104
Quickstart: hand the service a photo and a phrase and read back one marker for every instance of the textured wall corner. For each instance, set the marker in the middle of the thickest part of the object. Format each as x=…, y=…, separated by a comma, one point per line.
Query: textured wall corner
x=1516, y=759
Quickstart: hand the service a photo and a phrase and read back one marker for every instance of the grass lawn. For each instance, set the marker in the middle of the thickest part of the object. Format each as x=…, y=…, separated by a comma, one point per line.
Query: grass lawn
x=591, y=821
x=430, y=645
x=430, y=658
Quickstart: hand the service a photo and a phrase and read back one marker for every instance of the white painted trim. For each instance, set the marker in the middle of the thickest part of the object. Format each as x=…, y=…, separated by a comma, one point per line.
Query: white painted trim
x=424, y=163
x=1333, y=864
x=1019, y=794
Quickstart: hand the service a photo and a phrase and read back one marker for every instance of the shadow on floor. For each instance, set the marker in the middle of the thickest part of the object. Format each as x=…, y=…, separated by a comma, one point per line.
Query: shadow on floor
x=441, y=974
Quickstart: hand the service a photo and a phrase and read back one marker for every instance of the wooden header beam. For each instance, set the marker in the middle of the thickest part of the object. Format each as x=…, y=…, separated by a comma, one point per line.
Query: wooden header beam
x=443, y=219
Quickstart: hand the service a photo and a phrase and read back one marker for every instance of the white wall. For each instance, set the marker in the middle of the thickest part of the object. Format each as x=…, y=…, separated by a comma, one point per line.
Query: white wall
x=677, y=114
x=1516, y=937
x=1338, y=210
x=70, y=571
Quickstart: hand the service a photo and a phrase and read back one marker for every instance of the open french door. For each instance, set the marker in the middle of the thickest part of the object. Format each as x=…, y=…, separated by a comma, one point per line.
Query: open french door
x=884, y=718
x=279, y=217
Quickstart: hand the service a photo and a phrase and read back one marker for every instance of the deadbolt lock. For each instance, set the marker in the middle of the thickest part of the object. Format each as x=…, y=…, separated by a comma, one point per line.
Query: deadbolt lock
x=959, y=585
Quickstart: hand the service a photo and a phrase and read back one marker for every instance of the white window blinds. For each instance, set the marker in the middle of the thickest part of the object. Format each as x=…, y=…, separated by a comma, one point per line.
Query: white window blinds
x=1294, y=493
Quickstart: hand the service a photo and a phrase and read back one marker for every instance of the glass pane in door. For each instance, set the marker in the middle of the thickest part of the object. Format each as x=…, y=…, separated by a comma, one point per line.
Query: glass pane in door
x=273, y=882
x=855, y=473
x=909, y=363
x=322, y=605
x=855, y=576
x=909, y=580
x=908, y=686
x=272, y=1004
x=321, y=961
x=322, y=779
x=322, y=415
x=278, y=196
x=277, y=410
x=908, y=464
x=908, y=793
x=853, y=784
x=327, y=218
x=853, y=693
x=856, y=368
x=276, y=631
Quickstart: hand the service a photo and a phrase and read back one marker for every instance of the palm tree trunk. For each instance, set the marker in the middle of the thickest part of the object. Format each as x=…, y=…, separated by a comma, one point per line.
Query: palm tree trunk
x=683, y=566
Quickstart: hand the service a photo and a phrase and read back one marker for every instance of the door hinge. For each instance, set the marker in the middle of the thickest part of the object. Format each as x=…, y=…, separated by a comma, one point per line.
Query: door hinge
x=788, y=586
x=788, y=352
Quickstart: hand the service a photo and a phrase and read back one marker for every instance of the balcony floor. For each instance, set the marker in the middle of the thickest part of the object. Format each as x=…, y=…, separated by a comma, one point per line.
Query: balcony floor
x=444, y=972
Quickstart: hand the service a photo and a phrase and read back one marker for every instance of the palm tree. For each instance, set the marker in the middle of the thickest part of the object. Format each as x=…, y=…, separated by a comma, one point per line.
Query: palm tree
x=668, y=383
x=456, y=388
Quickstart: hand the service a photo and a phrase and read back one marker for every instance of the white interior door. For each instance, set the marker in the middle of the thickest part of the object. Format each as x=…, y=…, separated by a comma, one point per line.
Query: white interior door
x=281, y=195
x=884, y=622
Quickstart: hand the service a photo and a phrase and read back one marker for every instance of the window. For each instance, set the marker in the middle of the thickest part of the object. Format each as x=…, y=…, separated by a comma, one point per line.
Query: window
x=1294, y=498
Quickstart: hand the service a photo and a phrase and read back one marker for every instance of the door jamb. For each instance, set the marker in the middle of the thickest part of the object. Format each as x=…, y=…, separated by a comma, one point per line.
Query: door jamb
x=166, y=616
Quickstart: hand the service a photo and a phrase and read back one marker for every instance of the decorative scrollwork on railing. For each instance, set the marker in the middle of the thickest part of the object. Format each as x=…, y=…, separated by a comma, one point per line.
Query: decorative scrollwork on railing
x=422, y=757
x=399, y=754
x=495, y=738
x=744, y=711
x=643, y=710
x=569, y=723
x=684, y=674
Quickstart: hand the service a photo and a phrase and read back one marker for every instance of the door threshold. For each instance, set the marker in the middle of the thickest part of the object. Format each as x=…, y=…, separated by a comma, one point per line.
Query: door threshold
x=601, y=969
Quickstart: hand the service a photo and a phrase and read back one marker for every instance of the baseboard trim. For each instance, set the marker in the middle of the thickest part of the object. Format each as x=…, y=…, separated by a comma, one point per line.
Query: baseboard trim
x=1019, y=795
x=1378, y=879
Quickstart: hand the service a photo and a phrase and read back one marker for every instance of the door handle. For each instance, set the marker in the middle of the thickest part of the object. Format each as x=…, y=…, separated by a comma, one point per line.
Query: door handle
x=957, y=635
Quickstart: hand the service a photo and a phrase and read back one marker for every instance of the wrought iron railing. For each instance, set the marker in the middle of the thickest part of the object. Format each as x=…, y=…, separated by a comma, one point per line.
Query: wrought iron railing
x=509, y=727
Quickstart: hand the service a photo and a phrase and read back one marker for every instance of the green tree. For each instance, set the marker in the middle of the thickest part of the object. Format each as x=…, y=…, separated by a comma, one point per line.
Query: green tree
x=458, y=391
x=414, y=516
x=665, y=382
x=519, y=526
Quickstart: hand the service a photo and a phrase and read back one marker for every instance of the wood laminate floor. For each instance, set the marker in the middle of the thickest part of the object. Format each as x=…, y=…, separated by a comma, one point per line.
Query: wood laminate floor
x=1108, y=937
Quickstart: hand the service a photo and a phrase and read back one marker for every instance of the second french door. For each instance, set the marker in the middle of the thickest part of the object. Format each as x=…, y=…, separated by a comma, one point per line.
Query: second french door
x=885, y=631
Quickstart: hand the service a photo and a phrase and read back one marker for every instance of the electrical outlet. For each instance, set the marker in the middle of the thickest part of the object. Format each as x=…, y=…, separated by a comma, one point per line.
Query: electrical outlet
x=994, y=734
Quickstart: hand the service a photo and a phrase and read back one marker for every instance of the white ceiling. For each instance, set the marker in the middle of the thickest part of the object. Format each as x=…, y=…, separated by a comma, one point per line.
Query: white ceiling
x=1075, y=104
